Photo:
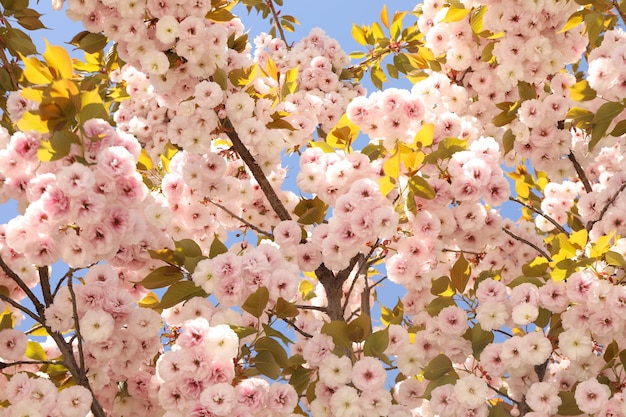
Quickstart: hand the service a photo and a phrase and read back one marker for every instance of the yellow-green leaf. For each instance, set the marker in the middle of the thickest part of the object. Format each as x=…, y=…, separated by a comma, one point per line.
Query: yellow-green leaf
x=574, y=20
x=358, y=34
x=35, y=71
x=255, y=303
x=35, y=352
x=460, y=273
x=384, y=16
x=581, y=91
x=425, y=135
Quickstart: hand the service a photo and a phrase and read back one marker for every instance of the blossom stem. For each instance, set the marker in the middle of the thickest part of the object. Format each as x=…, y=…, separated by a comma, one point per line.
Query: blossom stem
x=4, y=365
x=606, y=207
x=244, y=221
x=541, y=213
x=580, y=172
x=532, y=245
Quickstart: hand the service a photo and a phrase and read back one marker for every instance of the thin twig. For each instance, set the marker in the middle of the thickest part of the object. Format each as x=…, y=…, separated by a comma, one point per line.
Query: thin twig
x=532, y=245
x=4, y=365
x=81, y=355
x=277, y=24
x=23, y=309
x=244, y=221
x=619, y=12
x=296, y=328
x=541, y=213
x=580, y=172
x=305, y=307
x=479, y=254
x=375, y=284
x=606, y=207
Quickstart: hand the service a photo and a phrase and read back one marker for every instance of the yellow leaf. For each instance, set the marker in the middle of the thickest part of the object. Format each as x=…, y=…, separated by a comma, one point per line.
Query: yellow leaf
x=358, y=34
x=59, y=60
x=455, y=14
x=579, y=238
x=31, y=121
x=581, y=91
x=32, y=94
x=271, y=70
x=149, y=301
x=343, y=134
x=392, y=165
x=386, y=184
x=521, y=188
x=425, y=135
x=412, y=160
x=566, y=249
x=144, y=160
x=322, y=145
x=378, y=31
x=384, y=16
x=573, y=21
x=35, y=71
x=601, y=246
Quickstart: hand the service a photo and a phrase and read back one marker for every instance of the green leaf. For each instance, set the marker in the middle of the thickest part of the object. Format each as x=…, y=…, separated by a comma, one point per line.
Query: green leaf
x=311, y=211
x=619, y=129
x=217, y=248
x=243, y=331
x=444, y=380
x=479, y=338
x=277, y=351
x=300, y=379
x=19, y=42
x=35, y=352
x=338, y=330
x=89, y=42
x=265, y=363
x=394, y=316
x=269, y=331
x=455, y=14
x=437, y=367
x=179, y=292
x=439, y=304
x=256, y=302
x=440, y=285
x=615, y=259
x=421, y=188
x=508, y=141
x=360, y=328
x=162, y=277
x=568, y=405
x=284, y=309
x=460, y=274
x=601, y=121
x=57, y=147
x=376, y=343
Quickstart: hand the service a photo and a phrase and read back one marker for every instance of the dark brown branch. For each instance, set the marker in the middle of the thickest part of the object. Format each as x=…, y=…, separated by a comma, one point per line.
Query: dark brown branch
x=23, y=309
x=305, y=307
x=606, y=207
x=16, y=278
x=242, y=220
x=44, y=281
x=541, y=213
x=296, y=328
x=532, y=245
x=580, y=172
x=257, y=172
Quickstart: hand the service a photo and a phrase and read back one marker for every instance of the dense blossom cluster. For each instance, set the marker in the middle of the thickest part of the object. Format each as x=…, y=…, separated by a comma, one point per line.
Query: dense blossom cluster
x=496, y=316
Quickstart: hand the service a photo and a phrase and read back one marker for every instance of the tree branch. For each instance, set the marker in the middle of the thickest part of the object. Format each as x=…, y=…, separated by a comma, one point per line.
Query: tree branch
x=619, y=12
x=16, y=278
x=532, y=245
x=277, y=24
x=606, y=207
x=81, y=355
x=44, y=281
x=257, y=172
x=296, y=328
x=580, y=172
x=4, y=365
x=23, y=309
x=542, y=214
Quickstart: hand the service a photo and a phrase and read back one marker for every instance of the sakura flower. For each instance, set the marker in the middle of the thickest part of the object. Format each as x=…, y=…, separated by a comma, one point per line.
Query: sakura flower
x=13, y=343
x=591, y=395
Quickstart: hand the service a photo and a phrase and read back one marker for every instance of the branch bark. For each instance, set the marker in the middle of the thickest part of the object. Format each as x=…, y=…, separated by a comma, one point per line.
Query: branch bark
x=532, y=245
x=580, y=172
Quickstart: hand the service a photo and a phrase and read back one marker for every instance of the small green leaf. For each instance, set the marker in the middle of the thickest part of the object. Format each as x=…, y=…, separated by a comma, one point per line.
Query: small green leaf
x=256, y=302
x=277, y=351
x=376, y=343
x=438, y=304
x=615, y=259
x=437, y=367
x=162, y=277
x=338, y=330
x=265, y=363
x=217, y=248
x=360, y=328
x=269, y=331
x=285, y=309
x=601, y=121
x=568, y=405
x=421, y=188
x=460, y=274
x=479, y=338
x=179, y=292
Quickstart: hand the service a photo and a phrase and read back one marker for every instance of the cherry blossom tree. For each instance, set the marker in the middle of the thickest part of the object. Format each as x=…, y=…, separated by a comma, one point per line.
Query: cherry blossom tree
x=192, y=278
